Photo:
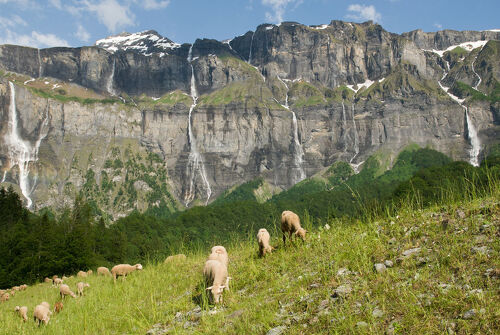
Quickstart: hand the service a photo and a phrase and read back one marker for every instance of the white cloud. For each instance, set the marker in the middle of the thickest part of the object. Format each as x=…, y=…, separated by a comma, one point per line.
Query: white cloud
x=438, y=25
x=56, y=3
x=279, y=7
x=22, y=3
x=363, y=13
x=111, y=13
x=153, y=4
x=82, y=34
x=13, y=21
x=36, y=39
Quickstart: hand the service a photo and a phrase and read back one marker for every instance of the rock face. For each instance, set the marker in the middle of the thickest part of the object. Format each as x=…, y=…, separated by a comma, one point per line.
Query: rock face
x=279, y=102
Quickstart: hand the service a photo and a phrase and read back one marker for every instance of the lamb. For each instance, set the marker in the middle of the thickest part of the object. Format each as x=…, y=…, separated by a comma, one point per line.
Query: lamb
x=175, y=258
x=58, y=306
x=219, y=253
x=81, y=274
x=64, y=290
x=103, y=271
x=89, y=272
x=23, y=312
x=290, y=223
x=124, y=270
x=58, y=281
x=263, y=238
x=215, y=274
x=42, y=313
x=80, y=286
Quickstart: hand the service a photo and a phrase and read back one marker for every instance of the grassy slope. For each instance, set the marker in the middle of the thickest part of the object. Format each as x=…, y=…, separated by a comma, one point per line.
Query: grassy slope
x=293, y=287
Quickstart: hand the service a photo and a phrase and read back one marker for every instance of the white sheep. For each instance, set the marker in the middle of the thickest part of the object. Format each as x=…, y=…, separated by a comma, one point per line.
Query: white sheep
x=5, y=297
x=263, y=238
x=124, y=270
x=215, y=274
x=90, y=272
x=81, y=274
x=47, y=280
x=58, y=281
x=219, y=253
x=42, y=313
x=290, y=223
x=64, y=290
x=23, y=312
x=80, y=286
x=103, y=271
x=175, y=258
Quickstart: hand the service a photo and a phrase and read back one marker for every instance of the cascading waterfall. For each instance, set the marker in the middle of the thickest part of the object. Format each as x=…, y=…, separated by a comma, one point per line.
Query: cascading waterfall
x=471, y=130
x=4, y=175
x=356, y=138
x=195, y=161
x=344, y=120
x=39, y=65
x=250, y=52
x=477, y=75
x=109, y=84
x=298, y=156
x=20, y=152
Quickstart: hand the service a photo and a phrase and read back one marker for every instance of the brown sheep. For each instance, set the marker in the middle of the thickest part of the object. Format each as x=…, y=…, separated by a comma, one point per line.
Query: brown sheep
x=124, y=270
x=103, y=271
x=58, y=307
x=290, y=223
x=263, y=238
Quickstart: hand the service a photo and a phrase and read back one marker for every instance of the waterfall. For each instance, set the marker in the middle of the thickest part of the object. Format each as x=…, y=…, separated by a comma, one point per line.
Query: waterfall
x=195, y=162
x=4, y=175
x=298, y=155
x=477, y=75
x=474, y=140
x=39, y=65
x=109, y=84
x=356, y=138
x=20, y=152
x=471, y=130
x=344, y=120
x=250, y=52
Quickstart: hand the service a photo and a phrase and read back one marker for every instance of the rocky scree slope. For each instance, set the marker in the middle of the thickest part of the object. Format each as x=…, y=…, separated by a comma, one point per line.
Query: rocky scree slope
x=282, y=103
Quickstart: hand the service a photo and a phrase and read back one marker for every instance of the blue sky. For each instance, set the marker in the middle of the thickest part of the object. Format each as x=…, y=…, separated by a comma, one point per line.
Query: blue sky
x=46, y=23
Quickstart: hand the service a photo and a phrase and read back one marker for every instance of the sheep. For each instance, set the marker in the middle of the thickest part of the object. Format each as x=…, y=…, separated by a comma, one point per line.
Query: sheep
x=58, y=281
x=23, y=312
x=15, y=288
x=5, y=297
x=80, y=286
x=64, y=290
x=290, y=223
x=103, y=271
x=175, y=258
x=81, y=274
x=64, y=278
x=42, y=313
x=47, y=280
x=58, y=307
x=23, y=287
x=219, y=253
x=263, y=240
x=124, y=270
x=54, y=277
x=215, y=274
x=89, y=272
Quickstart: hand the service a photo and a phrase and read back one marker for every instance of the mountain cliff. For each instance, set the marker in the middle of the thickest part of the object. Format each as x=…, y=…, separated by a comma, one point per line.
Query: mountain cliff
x=138, y=121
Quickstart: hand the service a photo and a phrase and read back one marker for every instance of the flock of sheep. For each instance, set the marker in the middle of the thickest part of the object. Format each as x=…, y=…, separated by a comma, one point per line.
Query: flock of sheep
x=215, y=271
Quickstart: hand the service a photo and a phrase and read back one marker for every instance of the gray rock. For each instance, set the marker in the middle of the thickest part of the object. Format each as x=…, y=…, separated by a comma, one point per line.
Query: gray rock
x=377, y=313
x=236, y=314
x=380, y=267
x=389, y=263
x=460, y=214
x=362, y=324
x=158, y=329
x=470, y=314
x=480, y=250
x=342, y=291
x=409, y=252
x=276, y=330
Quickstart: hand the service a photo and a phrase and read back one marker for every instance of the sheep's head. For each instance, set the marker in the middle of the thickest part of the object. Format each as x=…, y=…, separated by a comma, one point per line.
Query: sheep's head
x=301, y=232
x=138, y=266
x=217, y=292
x=17, y=308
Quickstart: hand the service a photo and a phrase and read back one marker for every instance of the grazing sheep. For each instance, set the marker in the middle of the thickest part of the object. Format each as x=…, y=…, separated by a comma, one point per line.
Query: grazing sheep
x=215, y=274
x=47, y=280
x=64, y=278
x=42, y=313
x=103, y=271
x=64, y=290
x=15, y=288
x=81, y=274
x=2, y=292
x=263, y=238
x=46, y=304
x=23, y=287
x=175, y=258
x=290, y=223
x=58, y=281
x=124, y=270
x=12, y=293
x=5, y=297
x=80, y=286
x=219, y=253
x=54, y=277
x=23, y=312
x=58, y=306
x=90, y=272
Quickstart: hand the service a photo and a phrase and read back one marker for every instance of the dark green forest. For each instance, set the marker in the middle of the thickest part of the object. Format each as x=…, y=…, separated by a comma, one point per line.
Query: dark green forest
x=36, y=245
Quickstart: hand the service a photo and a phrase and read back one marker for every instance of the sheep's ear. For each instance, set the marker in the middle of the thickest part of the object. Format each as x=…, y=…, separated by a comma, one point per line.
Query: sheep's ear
x=209, y=288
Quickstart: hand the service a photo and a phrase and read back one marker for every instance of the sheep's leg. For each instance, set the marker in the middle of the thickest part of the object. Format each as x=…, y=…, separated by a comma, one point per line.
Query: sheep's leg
x=284, y=240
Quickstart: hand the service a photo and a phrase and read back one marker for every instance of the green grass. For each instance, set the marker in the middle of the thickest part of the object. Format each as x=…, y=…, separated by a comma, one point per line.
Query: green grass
x=293, y=286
